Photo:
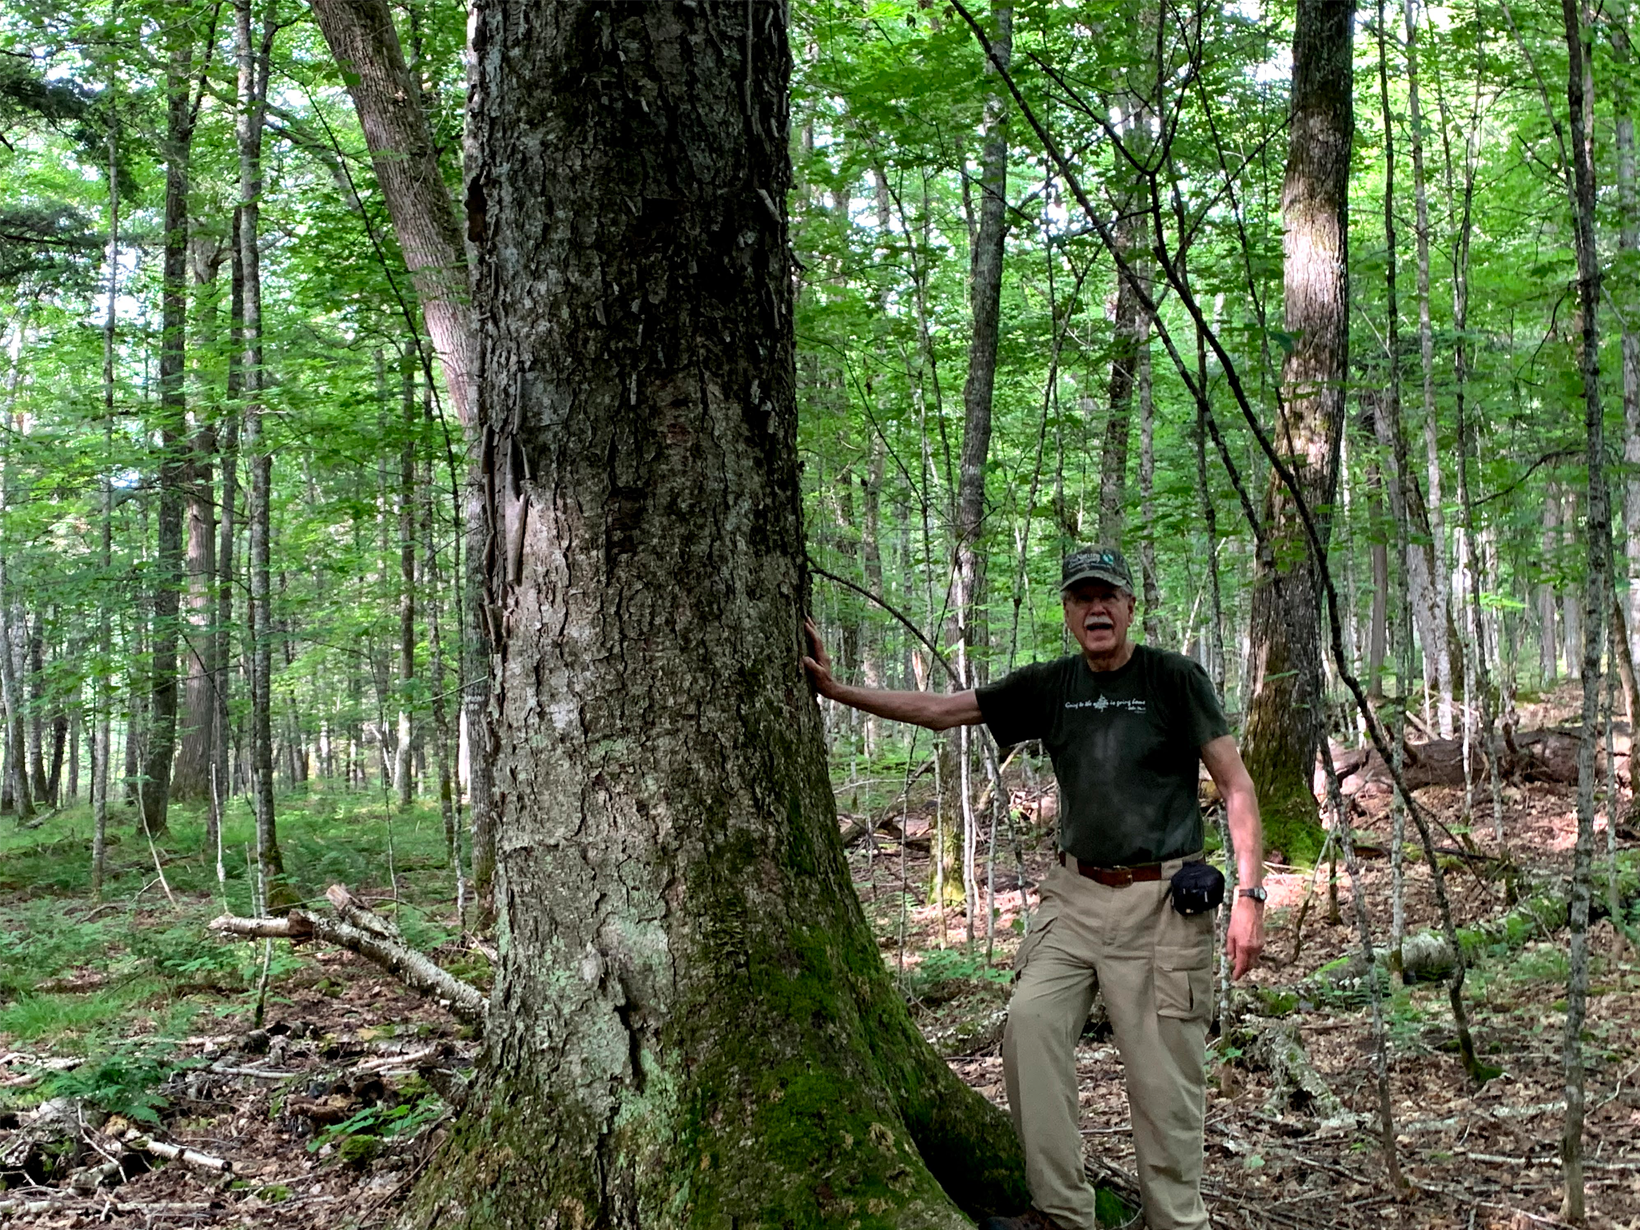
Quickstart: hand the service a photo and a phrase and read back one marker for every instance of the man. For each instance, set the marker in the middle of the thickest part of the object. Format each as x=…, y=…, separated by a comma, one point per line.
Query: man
x=1125, y=725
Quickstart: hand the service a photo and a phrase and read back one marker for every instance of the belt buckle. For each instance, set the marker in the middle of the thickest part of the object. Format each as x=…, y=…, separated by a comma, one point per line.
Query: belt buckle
x=1120, y=877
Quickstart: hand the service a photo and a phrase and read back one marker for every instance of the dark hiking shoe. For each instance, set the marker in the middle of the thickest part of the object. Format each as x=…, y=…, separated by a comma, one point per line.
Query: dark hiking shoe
x=1031, y=1219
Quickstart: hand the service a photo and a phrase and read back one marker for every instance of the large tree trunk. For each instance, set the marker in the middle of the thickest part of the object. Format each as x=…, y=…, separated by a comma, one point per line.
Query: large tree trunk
x=155, y=791
x=691, y=1023
x=196, y=748
x=1284, y=717
x=18, y=789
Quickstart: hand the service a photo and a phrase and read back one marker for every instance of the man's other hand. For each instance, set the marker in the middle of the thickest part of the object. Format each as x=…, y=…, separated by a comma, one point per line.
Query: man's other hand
x=1245, y=938
x=818, y=664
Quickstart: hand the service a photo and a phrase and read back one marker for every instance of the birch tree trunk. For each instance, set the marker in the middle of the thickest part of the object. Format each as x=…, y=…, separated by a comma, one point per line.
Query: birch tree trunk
x=691, y=1023
x=1284, y=716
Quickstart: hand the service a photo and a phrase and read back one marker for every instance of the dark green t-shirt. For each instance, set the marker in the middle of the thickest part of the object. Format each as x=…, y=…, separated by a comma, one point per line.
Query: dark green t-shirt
x=1125, y=745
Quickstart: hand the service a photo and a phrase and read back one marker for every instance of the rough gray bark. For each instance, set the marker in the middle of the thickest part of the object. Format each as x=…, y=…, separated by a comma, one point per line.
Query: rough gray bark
x=1597, y=536
x=253, y=84
x=162, y=704
x=196, y=748
x=691, y=1023
x=11, y=696
x=1285, y=713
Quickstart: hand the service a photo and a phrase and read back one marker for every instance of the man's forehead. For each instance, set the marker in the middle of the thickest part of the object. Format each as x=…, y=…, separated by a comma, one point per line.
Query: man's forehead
x=1093, y=589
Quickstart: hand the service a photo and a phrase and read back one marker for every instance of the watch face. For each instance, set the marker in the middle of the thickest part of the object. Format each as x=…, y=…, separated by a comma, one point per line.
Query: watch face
x=1257, y=894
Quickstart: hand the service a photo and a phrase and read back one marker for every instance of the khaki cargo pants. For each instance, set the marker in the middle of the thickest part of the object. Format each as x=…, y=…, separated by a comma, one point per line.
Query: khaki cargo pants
x=1155, y=967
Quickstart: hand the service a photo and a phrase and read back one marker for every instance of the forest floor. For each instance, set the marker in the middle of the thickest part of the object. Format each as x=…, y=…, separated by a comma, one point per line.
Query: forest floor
x=132, y=1019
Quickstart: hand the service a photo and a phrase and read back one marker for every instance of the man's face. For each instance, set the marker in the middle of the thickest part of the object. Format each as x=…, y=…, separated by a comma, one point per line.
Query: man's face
x=1098, y=615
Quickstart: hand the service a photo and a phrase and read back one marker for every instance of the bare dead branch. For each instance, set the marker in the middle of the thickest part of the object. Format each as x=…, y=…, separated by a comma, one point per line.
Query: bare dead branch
x=379, y=943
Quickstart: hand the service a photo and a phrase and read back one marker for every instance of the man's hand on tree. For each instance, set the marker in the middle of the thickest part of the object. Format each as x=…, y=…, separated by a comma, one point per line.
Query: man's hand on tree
x=1245, y=937
x=819, y=664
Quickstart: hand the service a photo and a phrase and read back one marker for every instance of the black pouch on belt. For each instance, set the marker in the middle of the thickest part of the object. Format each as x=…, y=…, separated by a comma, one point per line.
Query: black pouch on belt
x=1197, y=888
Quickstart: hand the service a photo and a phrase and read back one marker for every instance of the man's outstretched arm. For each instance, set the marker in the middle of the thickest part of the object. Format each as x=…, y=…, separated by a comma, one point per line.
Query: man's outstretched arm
x=1245, y=937
x=935, y=710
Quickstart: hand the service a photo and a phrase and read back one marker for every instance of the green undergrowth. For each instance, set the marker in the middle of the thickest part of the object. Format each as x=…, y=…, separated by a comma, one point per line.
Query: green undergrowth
x=82, y=975
x=1515, y=951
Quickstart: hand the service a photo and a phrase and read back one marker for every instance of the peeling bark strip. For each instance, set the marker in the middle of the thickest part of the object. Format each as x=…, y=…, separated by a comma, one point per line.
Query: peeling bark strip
x=691, y=1023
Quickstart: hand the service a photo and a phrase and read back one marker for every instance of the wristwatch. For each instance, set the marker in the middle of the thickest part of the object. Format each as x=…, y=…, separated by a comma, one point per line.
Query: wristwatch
x=1257, y=894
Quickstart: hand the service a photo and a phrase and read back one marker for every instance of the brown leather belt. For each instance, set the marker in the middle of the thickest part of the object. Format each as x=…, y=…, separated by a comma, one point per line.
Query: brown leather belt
x=1114, y=877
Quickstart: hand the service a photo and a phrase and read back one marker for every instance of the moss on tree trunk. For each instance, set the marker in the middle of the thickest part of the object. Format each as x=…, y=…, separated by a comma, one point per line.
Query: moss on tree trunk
x=691, y=1023
x=1285, y=719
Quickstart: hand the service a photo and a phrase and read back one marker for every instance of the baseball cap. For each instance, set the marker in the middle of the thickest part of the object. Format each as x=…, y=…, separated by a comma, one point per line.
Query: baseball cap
x=1096, y=564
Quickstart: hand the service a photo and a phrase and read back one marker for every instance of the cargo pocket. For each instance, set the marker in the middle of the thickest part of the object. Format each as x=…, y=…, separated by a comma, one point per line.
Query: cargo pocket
x=1184, y=982
x=1040, y=922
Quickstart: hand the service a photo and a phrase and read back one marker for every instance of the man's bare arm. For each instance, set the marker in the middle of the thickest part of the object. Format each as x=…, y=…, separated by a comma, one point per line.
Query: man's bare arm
x=1245, y=939
x=935, y=710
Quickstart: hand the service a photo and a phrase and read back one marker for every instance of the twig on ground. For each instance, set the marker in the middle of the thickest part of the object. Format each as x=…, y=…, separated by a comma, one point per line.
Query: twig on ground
x=180, y=1153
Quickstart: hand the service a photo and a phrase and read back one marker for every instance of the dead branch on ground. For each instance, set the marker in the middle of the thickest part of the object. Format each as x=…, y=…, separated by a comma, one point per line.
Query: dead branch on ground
x=363, y=931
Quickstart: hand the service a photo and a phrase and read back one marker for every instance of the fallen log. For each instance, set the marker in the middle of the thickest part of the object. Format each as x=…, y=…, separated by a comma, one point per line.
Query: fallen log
x=373, y=937
x=1295, y=1084
x=1537, y=756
